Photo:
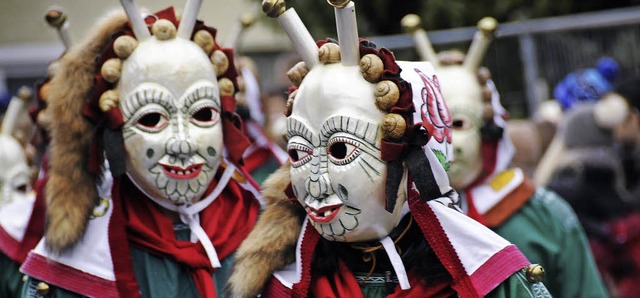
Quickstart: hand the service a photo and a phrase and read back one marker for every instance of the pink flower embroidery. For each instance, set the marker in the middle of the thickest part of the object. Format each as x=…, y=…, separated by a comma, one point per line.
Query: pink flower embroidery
x=434, y=110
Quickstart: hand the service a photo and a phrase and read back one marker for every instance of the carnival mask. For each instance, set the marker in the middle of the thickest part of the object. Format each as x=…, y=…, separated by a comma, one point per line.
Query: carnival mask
x=337, y=172
x=462, y=92
x=170, y=102
x=473, y=102
x=14, y=176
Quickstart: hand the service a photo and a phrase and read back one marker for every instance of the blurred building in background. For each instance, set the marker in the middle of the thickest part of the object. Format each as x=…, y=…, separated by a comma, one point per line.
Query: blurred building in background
x=529, y=57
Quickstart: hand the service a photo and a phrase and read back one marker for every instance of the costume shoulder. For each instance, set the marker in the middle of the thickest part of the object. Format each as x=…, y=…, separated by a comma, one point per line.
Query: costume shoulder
x=573, y=249
x=502, y=196
x=86, y=268
x=14, y=223
x=556, y=206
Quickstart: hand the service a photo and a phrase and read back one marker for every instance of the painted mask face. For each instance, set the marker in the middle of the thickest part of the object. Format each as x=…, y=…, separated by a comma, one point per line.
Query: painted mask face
x=462, y=92
x=334, y=145
x=171, y=106
x=14, y=176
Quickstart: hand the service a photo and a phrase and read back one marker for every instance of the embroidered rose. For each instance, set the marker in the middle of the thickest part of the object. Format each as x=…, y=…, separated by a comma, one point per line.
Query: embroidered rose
x=434, y=110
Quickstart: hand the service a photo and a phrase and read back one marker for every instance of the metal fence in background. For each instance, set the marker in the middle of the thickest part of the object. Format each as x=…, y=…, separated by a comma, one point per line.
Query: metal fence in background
x=528, y=58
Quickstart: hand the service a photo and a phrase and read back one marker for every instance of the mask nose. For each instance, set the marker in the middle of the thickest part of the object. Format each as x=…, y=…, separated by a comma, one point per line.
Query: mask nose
x=317, y=186
x=182, y=147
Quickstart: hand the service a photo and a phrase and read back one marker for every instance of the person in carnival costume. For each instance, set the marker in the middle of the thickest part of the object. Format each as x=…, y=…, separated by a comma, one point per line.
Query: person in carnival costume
x=365, y=208
x=538, y=221
x=23, y=177
x=264, y=156
x=21, y=214
x=163, y=215
x=590, y=172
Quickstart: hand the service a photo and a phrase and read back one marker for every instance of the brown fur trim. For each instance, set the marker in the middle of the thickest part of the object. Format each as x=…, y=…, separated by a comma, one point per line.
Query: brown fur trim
x=271, y=244
x=71, y=190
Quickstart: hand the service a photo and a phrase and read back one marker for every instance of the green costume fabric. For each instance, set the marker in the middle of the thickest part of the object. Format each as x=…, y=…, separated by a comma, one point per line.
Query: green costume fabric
x=156, y=276
x=10, y=277
x=547, y=231
x=516, y=286
x=263, y=171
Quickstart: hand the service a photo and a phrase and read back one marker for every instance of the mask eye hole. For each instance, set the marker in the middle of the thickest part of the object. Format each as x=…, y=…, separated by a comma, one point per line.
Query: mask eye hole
x=299, y=154
x=338, y=150
x=342, y=150
x=22, y=188
x=205, y=116
x=461, y=123
x=152, y=122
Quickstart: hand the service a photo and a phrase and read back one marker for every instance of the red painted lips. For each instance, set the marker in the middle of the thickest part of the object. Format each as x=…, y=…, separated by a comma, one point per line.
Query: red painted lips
x=324, y=214
x=190, y=172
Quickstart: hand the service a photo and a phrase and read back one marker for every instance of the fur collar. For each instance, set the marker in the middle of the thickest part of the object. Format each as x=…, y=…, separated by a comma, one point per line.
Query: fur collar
x=71, y=190
x=271, y=244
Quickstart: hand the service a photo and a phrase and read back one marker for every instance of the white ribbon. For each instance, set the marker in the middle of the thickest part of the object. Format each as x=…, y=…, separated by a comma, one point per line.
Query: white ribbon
x=396, y=262
x=190, y=214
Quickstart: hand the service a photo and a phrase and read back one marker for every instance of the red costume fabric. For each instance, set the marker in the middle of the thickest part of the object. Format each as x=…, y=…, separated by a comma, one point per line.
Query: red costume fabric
x=227, y=221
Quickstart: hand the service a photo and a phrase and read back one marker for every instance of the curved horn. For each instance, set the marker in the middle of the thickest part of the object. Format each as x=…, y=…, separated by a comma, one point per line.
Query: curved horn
x=246, y=20
x=411, y=24
x=135, y=18
x=57, y=18
x=347, y=28
x=481, y=40
x=17, y=109
x=188, y=20
x=289, y=20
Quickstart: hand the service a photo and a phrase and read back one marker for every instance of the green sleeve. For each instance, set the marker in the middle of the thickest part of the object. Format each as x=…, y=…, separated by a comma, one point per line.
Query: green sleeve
x=547, y=231
x=517, y=286
x=263, y=171
x=10, y=277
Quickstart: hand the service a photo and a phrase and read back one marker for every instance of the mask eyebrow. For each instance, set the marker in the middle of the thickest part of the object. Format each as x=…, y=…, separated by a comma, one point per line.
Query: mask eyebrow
x=144, y=96
x=296, y=128
x=202, y=92
x=362, y=129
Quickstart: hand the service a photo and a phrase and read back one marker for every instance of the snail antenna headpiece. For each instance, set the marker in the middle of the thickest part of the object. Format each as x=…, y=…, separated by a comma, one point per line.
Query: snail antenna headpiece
x=347, y=28
x=189, y=18
x=138, y=25
x=411, y=24
x=481, y=40
x=57, y=18
x=289, y=20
